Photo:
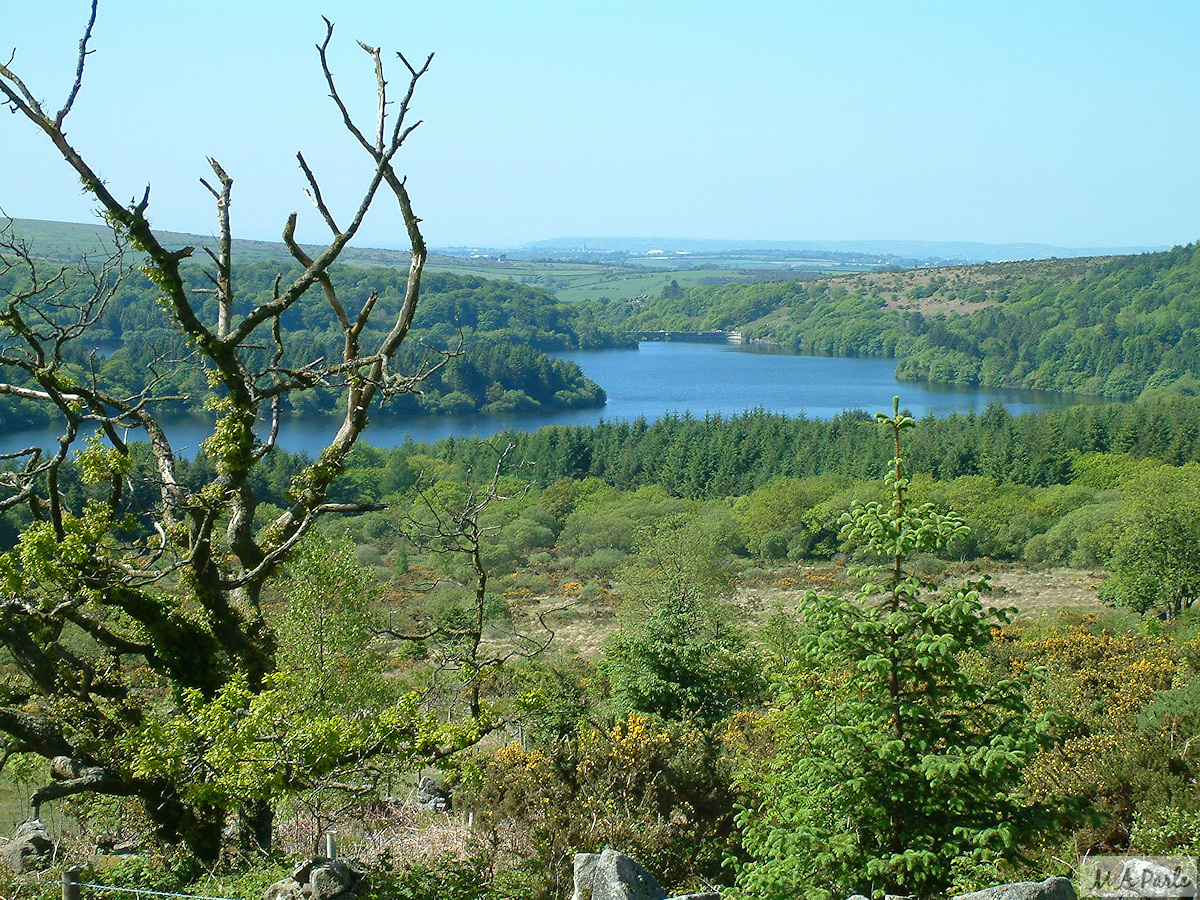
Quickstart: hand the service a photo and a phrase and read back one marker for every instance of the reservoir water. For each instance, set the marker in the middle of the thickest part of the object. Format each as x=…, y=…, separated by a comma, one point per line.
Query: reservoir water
x=659, y=378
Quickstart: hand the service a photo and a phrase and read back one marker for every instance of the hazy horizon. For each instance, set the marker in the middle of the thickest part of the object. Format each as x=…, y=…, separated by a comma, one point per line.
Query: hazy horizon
x=1071, y=125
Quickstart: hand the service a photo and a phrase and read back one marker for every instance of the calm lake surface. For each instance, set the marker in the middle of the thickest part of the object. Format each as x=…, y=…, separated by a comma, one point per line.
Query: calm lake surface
x=659, y=378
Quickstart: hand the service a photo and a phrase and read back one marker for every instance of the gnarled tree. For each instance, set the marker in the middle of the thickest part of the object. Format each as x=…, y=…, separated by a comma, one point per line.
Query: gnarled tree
x=139, y=595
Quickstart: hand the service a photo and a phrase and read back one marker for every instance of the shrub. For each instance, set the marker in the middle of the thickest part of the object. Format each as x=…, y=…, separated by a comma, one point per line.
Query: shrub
x=658, y=792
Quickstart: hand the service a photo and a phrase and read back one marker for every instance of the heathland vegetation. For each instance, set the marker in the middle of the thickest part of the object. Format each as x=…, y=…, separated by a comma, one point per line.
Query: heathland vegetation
x=647, y=640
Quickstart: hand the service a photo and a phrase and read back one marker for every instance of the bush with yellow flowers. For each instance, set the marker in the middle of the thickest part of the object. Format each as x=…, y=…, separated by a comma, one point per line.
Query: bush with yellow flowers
x=659, y=791
x=1125, y=748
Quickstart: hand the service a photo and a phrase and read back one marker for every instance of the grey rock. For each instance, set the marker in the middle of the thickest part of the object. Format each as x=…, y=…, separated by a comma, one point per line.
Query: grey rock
x=332, y=878
x=302, y=871
x=704, y=895
x=613, y=876
x=29, y=848
x=431, y=795
x=285, y=889
x=320, y=879
x=857, y=897
x=1050, y=889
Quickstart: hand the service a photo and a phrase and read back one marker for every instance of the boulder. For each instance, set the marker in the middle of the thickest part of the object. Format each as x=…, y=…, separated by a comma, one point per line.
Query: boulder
x=1050, y=889
x=613, y=876
x=320, y=879
x=431, y=795
x=29, y=848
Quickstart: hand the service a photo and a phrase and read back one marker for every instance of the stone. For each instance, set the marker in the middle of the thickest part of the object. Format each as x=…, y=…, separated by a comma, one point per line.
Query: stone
x=704, y=895
x=613, y=876
x=29, y=848
x=332, y=878
x=431, y=795
x=320, y=879
x=1050, y=889
x=284, y=889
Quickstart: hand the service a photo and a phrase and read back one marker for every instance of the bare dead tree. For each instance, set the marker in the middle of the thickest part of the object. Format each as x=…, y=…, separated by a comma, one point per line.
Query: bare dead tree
x=462, y=650
x=181, y=601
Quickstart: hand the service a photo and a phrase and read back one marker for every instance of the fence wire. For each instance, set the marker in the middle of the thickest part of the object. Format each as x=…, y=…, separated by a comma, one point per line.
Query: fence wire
x=144, y=892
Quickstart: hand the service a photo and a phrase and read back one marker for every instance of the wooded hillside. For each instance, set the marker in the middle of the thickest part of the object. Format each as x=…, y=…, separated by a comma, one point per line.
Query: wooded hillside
x=1114, y=327
x=503, y=330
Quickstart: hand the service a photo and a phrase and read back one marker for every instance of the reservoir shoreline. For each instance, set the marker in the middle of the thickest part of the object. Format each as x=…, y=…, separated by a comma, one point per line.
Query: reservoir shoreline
x=653, y=380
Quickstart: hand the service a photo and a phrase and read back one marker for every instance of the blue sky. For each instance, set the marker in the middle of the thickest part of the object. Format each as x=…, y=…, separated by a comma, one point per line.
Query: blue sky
x=1068, y=123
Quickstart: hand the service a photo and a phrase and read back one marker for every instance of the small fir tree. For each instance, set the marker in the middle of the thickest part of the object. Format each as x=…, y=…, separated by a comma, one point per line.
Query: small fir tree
x=898, y=757
x=679, y=654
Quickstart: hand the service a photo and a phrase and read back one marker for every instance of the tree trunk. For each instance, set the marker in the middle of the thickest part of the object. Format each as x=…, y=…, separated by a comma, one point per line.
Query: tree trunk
x=198, y=827
x=255, y=827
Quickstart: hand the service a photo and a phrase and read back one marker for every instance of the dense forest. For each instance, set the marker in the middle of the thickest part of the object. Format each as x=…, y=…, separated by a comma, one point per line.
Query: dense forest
x=1113, y=327
x=482, y=343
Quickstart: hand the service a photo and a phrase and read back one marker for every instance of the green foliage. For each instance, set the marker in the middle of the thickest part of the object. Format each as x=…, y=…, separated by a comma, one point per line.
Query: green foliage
x=172, y=871
x=438, y=877
x=325, y=630
x=659, y=791
x=1082, y=538
x=306, y=730
x=678, y=653
x=1155, y=559
x=894, y=757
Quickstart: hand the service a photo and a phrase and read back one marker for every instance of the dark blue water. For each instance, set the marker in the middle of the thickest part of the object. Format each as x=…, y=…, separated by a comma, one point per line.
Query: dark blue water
x=658, y=378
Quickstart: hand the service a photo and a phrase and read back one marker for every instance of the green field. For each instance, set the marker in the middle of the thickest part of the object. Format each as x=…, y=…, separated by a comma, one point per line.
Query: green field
x=569, y=281
x=572, y=282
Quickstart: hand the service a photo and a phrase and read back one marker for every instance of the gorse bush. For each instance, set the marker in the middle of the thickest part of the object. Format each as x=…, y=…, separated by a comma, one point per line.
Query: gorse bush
x=661, y=792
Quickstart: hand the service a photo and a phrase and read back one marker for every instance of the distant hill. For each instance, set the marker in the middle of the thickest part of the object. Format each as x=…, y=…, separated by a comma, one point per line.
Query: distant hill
x=570, y=275
x=67, y=240
x=942, y=251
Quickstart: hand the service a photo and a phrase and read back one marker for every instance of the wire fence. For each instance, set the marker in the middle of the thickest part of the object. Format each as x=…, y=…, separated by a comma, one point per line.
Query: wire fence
x=73, y=888
x=141, y=892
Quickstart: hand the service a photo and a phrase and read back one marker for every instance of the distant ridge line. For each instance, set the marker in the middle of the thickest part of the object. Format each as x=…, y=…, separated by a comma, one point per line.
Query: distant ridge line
x=967, y=251
x=50, y=235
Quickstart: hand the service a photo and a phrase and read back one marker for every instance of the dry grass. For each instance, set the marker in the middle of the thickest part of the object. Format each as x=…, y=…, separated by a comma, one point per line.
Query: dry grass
x=580, y=626
x=1049, y=592
x=956, y=282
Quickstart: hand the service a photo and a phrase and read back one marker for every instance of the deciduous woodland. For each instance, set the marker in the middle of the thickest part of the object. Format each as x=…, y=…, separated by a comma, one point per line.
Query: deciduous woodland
x=772, y=656
x=1115, y=326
